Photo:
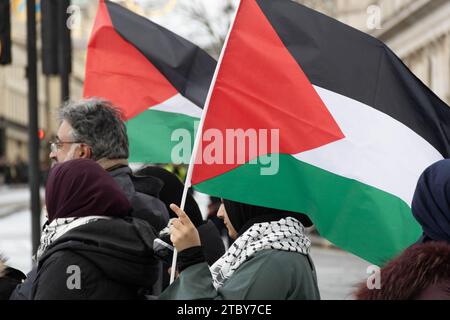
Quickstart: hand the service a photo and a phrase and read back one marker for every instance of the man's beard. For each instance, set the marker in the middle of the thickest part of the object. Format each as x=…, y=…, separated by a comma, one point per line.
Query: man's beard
x=70, y=156
x=53, y=162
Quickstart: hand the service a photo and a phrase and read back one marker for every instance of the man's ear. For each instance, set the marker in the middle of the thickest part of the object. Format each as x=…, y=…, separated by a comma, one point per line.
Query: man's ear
x=85, y=152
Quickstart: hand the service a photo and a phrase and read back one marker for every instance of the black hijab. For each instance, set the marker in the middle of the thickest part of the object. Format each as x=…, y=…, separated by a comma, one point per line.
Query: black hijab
x=172, y=191
x=242, y=216
x=431, y=202
x=80, y=188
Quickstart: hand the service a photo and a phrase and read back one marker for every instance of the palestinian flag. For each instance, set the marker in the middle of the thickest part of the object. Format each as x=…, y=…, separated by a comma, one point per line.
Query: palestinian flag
x=157, y=78
x=356, y=127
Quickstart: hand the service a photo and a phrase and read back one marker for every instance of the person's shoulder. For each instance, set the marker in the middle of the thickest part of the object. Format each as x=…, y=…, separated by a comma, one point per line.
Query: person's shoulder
x=286, y=263
x=281, y=257
x=61, y=258
x=61, y=269
x=59, y=265
x=271, y=261
x=150, y=209
x=273, y=274
x=142, y=193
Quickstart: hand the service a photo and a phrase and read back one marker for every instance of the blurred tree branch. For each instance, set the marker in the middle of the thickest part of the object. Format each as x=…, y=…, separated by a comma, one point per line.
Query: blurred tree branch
x=215, y=28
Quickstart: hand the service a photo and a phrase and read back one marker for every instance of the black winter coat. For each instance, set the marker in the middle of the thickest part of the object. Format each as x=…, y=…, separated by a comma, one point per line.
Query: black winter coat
x=104, y=259
x=145, y=205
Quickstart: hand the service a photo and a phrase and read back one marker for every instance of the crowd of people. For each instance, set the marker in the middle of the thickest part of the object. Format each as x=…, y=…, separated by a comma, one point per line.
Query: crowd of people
x=118, y=229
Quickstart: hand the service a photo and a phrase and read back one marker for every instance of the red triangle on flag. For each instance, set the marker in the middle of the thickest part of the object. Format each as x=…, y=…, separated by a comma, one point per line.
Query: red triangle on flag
x=119, y=72
x=261, y=86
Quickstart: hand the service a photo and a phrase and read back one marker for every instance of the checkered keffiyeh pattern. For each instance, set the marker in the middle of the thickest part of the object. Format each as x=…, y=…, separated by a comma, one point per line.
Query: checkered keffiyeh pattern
x=59, y=227
x=285, y=235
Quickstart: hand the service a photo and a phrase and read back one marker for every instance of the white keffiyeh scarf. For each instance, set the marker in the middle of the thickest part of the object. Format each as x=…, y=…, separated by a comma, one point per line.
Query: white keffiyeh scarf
x=59, y=227
x=286, y=235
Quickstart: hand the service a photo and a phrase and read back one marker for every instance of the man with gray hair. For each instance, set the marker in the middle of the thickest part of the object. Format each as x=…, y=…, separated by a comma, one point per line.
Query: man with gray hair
x=90, y=128
x=93, y=129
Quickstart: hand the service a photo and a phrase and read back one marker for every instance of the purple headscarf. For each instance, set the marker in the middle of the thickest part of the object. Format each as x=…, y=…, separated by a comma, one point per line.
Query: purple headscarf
x=431, y=202
x=80, y=188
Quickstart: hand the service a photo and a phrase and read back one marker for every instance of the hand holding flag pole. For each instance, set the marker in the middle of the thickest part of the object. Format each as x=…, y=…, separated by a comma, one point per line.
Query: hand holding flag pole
x=188, y=182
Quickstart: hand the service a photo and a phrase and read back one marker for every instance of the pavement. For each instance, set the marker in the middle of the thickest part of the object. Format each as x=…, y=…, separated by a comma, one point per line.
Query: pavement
x=13, y=199
x=15, y=226
x=338, y=273
x=15, y=240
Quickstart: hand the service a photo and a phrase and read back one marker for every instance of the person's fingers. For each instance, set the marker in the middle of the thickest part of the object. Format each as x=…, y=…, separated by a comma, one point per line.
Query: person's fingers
x=173, y=227
x=183, y=233
x=177, y=228
x=184, y=218
x=180, y=213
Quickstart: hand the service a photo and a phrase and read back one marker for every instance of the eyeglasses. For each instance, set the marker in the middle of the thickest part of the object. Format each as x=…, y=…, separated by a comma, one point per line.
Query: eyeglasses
x=56, y=145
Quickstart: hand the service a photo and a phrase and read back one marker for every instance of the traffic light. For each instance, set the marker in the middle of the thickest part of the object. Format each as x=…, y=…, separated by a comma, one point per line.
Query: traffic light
x=56, y=43
x=5, y=32
x=41, y=134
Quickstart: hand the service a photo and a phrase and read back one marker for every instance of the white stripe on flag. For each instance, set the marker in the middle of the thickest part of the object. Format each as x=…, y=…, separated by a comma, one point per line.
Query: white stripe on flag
x=377, y=150
x=179, y=104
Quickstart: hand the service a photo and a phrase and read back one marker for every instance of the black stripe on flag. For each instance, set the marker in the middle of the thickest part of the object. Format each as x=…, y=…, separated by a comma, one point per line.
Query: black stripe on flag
x=187, y=67
x=344, y=60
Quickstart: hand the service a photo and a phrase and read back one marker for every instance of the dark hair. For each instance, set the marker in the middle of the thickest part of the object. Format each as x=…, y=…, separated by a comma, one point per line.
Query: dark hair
x=99, y=124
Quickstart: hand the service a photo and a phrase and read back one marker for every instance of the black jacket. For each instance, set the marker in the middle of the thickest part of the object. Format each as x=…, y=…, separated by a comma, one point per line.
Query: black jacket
x=145, y=205
x=105, y=259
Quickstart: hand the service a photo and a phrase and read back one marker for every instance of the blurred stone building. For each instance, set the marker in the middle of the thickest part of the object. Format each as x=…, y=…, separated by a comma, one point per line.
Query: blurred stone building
x=13, y=84
x=417, y=30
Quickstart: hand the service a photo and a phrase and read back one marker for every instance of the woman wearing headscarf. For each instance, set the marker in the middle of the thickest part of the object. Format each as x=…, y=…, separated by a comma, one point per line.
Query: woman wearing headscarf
x=422, y=272
x=431, y=202
x=91, y=248
x=269, y=259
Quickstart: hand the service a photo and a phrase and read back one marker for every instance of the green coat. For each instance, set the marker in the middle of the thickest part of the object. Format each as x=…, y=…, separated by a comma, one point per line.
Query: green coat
x=268, y=275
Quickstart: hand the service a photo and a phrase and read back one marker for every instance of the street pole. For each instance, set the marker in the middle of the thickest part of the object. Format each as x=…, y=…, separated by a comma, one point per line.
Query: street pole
x=33, y=140
x=64, y=48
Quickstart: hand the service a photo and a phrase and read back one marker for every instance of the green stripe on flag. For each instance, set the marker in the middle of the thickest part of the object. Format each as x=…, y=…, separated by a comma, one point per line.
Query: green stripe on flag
x=150, y=135
x=366, y=221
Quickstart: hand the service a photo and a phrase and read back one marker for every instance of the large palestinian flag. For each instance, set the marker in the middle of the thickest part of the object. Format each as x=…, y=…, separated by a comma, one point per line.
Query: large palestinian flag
x=157, y=78
x=356, y=127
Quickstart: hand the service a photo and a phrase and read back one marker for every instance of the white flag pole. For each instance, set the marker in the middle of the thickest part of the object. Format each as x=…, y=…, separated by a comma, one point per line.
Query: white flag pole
x=199, y=134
